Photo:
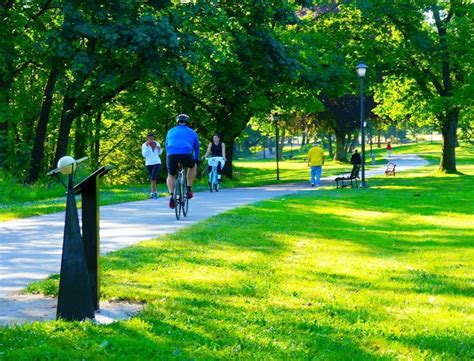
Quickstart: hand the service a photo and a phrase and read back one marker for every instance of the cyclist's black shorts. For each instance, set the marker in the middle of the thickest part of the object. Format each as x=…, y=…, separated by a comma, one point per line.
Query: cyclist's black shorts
x=186, y=160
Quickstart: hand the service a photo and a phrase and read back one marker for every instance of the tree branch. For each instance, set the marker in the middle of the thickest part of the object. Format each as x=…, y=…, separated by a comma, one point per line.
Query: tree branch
x=6, y=5
x=113, y=148
x=42, y=10
x=193, y=98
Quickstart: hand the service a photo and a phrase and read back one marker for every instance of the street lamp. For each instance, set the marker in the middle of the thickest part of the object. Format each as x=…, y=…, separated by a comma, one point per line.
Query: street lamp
x=74, y=293
x=275, y=120
x=361, y=70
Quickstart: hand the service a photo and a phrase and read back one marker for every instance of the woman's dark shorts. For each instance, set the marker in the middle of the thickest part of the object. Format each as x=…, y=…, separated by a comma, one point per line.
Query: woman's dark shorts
x=172, y=161
x=153, y=171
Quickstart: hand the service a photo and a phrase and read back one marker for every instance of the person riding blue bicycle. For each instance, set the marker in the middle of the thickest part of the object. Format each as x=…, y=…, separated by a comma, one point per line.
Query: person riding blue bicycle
x=182, y=147
x=216, y=149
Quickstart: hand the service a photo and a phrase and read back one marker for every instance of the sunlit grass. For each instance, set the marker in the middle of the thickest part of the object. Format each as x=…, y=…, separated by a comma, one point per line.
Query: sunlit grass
x=377, y=273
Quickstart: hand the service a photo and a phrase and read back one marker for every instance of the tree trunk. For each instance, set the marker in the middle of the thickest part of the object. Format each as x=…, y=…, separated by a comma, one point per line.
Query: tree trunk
x=303, y=139
x=96, y=144
x=64, y=128
x=341, y=154
x=80, y=137
x=349, y=140
x=4, y=107
x=449, y=121
x=37, y=153
x=229, y=154
x=6, y=81
x=281, y=142
x=448, y=130
x=330, y=150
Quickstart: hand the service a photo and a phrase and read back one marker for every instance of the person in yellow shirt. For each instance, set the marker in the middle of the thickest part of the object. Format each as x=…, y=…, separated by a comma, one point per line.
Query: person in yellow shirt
x=316, y=162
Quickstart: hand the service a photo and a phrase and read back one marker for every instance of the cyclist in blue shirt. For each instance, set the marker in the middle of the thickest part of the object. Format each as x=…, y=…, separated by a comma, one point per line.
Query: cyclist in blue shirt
x=182, y=146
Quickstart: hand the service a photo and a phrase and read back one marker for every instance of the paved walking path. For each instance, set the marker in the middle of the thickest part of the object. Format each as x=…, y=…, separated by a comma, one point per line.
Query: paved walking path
x=30, y=249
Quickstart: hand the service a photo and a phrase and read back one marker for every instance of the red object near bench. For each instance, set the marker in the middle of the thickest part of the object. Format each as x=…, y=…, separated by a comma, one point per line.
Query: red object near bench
x=390, y=169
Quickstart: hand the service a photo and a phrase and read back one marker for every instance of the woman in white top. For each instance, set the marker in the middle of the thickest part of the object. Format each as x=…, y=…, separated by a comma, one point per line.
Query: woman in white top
x=151, y=151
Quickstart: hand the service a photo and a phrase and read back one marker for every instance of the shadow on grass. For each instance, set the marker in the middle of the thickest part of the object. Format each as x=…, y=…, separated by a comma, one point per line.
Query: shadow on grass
x=211, y=288
x=256, y=332
x=456, y=347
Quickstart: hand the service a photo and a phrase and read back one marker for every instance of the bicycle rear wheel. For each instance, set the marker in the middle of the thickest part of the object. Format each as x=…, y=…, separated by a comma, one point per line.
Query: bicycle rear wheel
x=178, y=196
x=185, y=206
x=211, y=178
x=185, y=200
x=213, y=186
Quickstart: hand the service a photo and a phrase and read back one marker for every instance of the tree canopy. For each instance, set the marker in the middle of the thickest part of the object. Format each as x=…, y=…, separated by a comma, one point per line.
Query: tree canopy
x=91, y=78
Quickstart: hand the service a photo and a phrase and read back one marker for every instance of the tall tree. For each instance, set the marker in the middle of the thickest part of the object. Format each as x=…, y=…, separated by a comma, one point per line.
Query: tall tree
x=241, y=61
x=428, y=43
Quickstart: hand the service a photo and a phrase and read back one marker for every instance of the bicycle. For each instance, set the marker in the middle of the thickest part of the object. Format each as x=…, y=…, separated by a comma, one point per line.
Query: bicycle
x=181, y=200
x=214, y=184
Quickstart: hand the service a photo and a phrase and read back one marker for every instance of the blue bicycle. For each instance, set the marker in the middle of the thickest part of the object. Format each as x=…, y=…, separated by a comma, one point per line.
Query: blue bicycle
x=213, y=162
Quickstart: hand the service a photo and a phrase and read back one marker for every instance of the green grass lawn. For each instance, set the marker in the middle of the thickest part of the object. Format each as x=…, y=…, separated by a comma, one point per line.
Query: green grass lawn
x=377, y=273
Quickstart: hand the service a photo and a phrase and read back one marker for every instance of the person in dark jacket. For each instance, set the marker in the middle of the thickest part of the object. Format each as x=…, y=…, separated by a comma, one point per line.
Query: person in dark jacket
x=356, y=159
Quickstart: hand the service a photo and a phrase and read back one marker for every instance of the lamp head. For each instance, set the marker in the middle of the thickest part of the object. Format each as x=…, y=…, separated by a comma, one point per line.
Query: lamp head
x=275, y=117
x=361, y=69
x=67, y=164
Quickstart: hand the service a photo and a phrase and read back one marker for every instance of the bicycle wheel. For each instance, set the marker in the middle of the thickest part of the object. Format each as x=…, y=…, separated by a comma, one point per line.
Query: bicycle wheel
x=211, y=178
x=212, y=186
x=177, y=197
x=185, y=200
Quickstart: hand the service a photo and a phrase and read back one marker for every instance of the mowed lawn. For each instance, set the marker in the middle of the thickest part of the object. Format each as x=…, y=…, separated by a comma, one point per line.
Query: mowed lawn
x=378, y=273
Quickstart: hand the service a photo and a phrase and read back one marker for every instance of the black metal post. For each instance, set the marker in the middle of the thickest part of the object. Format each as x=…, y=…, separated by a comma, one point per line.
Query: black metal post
x=362, y=127
x=90, y=235
x=277, y=150
x=89, y=190
x=74, y=298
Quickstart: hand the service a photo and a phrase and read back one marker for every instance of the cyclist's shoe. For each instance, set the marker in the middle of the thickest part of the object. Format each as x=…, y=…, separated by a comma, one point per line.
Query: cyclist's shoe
x=189, y=194
x=172, y=205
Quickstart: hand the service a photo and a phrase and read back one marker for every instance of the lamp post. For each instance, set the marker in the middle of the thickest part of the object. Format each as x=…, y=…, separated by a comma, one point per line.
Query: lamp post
x=361, y=69
x=74, y=295
x=275, y=120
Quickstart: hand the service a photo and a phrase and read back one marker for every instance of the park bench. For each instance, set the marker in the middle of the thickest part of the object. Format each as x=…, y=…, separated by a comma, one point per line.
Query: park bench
x=390, y=169
x=349, y=179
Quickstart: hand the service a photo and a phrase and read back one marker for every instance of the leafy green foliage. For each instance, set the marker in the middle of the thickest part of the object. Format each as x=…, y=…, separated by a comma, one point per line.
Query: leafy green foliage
x=124, y=68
